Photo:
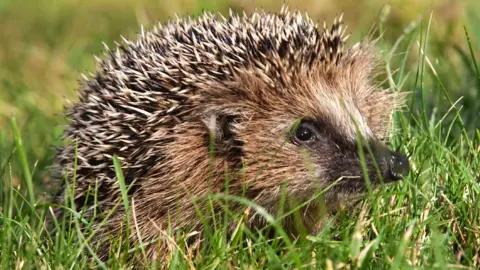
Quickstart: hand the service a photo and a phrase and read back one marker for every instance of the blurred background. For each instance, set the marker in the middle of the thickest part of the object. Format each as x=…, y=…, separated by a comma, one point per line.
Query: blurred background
x=45, y=45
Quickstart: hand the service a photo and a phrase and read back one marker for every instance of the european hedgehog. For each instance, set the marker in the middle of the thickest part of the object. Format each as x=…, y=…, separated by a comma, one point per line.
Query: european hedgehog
x=268, y=99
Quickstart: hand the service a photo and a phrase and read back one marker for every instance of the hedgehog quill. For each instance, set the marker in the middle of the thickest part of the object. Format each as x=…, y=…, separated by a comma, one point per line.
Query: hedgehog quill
x=265, y=89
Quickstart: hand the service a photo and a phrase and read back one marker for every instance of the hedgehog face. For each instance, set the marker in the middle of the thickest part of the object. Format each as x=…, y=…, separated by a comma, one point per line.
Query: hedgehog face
x=306, y=136
x=335, y=158
x=314, y=154
x=336, y=126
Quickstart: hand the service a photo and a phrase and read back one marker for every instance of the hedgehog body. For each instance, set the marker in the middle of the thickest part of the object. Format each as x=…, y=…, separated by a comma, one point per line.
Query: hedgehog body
x=266, y=90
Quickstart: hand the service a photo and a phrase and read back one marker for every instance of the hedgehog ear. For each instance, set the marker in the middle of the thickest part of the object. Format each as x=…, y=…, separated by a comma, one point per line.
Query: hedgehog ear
x=220, y=125
x=221, y=128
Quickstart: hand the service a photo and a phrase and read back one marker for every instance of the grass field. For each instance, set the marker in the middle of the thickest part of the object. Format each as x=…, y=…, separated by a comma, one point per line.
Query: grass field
x=431, y=220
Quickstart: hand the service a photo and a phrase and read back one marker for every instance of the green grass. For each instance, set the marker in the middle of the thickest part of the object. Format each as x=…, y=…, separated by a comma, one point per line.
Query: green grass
x=430, y=220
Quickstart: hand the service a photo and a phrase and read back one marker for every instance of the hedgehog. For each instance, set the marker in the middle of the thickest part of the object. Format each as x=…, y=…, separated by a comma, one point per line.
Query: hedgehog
x=271, y=100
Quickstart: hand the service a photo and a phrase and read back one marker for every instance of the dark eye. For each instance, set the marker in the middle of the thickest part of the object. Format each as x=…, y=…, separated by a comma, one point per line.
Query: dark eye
x=304, y=133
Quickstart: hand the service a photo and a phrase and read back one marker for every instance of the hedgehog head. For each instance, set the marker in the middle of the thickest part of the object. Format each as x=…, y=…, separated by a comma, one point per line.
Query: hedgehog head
x=305, y=134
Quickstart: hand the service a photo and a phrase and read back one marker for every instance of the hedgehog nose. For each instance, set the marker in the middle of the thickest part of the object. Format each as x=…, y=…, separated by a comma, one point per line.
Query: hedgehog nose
x=395, y=165
x=398, y=166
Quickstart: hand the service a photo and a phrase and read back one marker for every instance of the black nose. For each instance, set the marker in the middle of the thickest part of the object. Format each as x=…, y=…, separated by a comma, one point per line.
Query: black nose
x=398, y=166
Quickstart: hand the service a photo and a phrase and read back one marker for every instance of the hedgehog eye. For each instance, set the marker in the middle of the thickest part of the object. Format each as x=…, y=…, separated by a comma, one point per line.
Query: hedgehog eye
x=304, y=134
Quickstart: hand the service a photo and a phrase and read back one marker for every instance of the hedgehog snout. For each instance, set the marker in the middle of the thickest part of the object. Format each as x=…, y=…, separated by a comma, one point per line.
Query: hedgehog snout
x=395, y=164
x=398, y=166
